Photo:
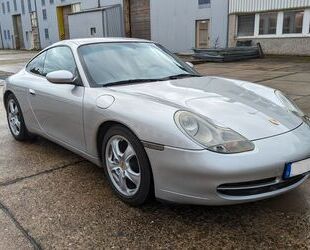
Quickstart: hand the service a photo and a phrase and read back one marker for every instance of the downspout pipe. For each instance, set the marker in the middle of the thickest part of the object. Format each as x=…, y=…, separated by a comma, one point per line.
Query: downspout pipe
x=39, y=34
x=2, y=44
x=227, y=34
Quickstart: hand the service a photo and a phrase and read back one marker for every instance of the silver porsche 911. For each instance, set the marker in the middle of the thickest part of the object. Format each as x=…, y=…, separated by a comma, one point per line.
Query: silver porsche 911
x=158, y=127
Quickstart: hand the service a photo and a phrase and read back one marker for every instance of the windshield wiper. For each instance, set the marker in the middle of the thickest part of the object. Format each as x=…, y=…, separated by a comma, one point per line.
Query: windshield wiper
x=124, y=82
x=179, y=76
x=173, y=77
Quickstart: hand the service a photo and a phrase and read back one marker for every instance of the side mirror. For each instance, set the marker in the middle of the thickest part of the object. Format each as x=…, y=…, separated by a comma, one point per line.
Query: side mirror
x=60, y=77
x=190, y=64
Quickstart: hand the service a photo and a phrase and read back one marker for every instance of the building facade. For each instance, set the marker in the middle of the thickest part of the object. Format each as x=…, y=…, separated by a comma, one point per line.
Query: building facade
x=281, y=26
x=35, y=24
x=178, y=24
x=183, y=24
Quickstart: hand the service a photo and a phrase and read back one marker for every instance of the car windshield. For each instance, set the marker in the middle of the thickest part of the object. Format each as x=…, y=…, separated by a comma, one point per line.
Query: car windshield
x=109, y=64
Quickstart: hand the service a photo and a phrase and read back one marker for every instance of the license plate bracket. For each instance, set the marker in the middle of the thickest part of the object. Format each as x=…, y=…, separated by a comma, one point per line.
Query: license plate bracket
x=293, y=169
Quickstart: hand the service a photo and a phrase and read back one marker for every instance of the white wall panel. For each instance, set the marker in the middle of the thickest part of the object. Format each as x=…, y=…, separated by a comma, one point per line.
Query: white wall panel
x=241, y=6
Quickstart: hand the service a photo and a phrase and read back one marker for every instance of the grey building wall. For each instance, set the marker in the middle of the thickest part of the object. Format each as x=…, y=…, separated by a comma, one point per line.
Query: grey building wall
x=284, y=46
x=6, y=21
x=101, y=22
x=173, y=22
x=50, y=23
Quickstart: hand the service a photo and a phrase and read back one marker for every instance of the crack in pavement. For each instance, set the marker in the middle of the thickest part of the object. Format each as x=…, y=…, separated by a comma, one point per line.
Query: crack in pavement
x=276, y=77
x=32, y=241
x=11, y=216
x=3, y=184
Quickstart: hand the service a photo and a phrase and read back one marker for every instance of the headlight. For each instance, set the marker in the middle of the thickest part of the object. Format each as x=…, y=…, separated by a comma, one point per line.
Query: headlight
x=210, y=136
x=291, y=106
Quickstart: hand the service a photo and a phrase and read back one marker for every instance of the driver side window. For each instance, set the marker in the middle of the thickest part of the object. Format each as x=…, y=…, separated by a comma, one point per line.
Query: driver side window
x=36, y=66
x=59, y=58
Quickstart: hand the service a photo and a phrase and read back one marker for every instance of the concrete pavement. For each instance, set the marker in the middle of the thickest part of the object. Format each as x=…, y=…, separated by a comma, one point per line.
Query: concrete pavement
x=51, y=198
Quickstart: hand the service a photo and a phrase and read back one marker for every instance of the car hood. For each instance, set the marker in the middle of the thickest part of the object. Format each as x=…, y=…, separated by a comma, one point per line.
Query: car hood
x=251, y=110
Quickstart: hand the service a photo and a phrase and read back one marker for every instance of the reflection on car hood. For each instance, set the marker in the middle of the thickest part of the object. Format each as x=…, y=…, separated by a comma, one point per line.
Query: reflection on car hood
x=249, y=109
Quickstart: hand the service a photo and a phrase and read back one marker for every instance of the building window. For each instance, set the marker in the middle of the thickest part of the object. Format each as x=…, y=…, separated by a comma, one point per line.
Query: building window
x=76, y=7
x=3, y=8
x=268, y=23
x=204, y=3
x=43, y=2
x=34, y=20
x=4, y=34
x=29, y=6
x=9, y=35
x=47, y=36
x=44, y=14
x=202, y=34
x=23, y=6
x=246, y=25
x=15, y=5
x=93, y=31
x=292, y=22
x=8, y=6
x=51, y=1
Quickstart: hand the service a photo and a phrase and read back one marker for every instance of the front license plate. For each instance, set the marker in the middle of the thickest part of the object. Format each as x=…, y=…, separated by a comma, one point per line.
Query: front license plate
x=296, y=168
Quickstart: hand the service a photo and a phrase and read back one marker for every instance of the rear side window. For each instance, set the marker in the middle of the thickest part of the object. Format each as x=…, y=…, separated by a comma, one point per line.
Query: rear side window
x=36, y=66
x=59, y=58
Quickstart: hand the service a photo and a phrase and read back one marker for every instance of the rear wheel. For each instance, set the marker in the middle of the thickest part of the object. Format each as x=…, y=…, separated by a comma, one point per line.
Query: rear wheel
x=126, y=165
x=15, y=119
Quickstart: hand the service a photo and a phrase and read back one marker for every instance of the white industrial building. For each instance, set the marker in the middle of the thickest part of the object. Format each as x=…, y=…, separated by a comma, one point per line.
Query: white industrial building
x=281, y=26
x=178, y=24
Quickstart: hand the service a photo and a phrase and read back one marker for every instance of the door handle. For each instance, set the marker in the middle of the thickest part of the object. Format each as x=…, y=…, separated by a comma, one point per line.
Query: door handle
x=32, y=92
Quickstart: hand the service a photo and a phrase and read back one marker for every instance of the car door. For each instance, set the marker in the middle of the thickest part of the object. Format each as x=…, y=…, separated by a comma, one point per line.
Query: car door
x=58, y=107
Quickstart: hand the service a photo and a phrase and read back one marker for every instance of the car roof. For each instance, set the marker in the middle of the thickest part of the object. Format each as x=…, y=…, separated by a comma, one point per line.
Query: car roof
x=83, y=41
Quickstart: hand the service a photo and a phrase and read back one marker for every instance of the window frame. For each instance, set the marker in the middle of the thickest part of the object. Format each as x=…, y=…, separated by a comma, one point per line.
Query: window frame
x=237, y=24
x=8, y=6
x=204, y=5
x=44, y=14
x=280, y=19
x=259, y=23
x=79, y=80
x=302, y=25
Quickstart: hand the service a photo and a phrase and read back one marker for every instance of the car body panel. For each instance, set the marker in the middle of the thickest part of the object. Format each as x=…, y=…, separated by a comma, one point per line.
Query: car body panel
x=225, y=102
x=205, y=171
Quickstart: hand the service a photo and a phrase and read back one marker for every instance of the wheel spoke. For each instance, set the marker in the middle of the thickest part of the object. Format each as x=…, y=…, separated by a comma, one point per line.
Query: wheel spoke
x=17, y=123
x=11, y=107
x=15, y=112
x=112, y=165
x=122, y=183
x=129, y=153
x=115, y=149
x=132, y=176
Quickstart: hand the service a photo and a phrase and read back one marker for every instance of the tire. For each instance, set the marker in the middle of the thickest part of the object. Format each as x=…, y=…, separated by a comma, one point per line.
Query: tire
x=20, y=133
x=124, y=159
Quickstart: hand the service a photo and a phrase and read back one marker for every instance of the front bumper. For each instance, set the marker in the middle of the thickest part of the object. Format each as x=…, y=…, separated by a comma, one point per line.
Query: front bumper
x=196, y=176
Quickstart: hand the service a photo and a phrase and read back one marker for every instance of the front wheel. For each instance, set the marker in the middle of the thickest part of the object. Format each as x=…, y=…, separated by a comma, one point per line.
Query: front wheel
x=126, y=165
x=16, y=120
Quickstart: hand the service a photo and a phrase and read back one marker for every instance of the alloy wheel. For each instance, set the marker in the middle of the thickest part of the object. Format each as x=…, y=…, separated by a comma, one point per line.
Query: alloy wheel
x=14, y=117
x=123, y=165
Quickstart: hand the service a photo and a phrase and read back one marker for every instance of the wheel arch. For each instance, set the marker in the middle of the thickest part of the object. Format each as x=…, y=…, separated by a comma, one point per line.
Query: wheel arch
x=102, y=130
x=5, y=97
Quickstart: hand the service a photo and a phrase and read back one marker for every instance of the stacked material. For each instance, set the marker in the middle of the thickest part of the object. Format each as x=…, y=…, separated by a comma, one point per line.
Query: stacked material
x=228, y=54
